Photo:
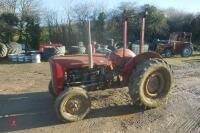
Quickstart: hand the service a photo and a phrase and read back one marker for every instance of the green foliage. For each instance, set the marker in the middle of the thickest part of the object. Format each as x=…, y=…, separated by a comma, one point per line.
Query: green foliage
x=8, y=23
x=32, y=29
x=29, y=31
x=104, y=26
x=116, y=21
x=196, y=28
x=180, y=22
x=99, y=28
x=156, y=23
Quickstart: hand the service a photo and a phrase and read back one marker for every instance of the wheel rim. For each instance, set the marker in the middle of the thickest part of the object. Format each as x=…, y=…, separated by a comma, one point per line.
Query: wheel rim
x=154, y=85
x=76, y=105
x=186, y=51
x=168, y=53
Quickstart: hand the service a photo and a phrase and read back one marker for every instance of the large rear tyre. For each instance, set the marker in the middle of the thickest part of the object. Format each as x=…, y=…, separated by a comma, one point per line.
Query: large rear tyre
x=72, y=104
x=53, y=51
x=14, y=48
x=3, y=50
x=150, y=83
x=59, y=50
x=187, y=51
x=77, y=50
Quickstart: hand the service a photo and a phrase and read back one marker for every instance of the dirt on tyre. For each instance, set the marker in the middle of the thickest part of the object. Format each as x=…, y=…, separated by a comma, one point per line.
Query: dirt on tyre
x=3, y=50
x=51, y=89
x=72, y=104
x=186, y=51
x=151, y=82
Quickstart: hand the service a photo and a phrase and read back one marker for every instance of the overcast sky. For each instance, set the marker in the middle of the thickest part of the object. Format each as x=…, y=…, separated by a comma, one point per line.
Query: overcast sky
x=192, y=6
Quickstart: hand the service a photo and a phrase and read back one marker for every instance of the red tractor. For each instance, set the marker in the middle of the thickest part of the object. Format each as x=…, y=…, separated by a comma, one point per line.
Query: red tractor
x=148, y=77
x=179, y=43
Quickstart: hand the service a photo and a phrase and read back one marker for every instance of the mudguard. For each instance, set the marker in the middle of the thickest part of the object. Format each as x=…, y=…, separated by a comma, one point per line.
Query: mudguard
x=131, y=64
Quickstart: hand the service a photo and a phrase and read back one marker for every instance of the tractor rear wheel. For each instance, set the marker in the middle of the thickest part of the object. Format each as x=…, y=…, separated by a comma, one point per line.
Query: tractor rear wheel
x=72, y=104
x=187, y=51
x=150, y=83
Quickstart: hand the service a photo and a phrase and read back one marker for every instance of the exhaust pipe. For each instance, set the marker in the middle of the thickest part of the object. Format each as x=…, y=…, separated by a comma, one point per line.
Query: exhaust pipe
x=90, y=57
x=142, y=28
x=125, y=38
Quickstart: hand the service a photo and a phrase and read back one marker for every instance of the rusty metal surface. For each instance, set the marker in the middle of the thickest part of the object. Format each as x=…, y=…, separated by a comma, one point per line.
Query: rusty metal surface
x=117, y=56
x=142, y=34
x=131, y=65
x=75, y=61
x=60, y=65
x=125, y=38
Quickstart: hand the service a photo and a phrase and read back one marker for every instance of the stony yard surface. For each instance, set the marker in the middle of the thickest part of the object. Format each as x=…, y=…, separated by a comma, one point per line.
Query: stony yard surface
x=26, y=106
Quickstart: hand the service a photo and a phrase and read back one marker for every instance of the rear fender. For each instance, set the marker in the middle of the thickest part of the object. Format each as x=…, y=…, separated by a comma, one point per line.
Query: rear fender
x=180, y=47
x=131, y=65
x=188, y=45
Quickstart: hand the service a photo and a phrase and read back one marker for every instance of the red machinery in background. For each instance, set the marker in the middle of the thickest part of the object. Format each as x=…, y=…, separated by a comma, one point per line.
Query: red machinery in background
x=43, y=46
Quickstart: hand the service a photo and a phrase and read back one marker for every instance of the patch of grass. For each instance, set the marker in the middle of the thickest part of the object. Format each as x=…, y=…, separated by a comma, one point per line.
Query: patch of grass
x=178, y=59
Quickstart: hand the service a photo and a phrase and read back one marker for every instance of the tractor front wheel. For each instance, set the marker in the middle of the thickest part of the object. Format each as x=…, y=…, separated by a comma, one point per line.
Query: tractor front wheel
x=151, y=83
x=168, y=53
x=72, y=104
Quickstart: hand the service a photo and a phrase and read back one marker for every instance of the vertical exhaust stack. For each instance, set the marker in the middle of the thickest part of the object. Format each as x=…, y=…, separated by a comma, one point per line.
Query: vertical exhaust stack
x=142, y=34
x=142, y=28
x=125, y=38
x=90, y=57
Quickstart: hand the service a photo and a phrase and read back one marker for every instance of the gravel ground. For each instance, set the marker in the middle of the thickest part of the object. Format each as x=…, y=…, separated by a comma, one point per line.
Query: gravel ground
x=26, y=106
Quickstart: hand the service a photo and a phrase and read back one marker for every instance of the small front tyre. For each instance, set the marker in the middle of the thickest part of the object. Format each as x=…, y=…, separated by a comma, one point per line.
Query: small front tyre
x=72, y=104
x=168, y=53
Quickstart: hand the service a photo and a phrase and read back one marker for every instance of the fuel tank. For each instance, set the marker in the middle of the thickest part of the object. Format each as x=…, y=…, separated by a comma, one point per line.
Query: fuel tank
x=118, y=59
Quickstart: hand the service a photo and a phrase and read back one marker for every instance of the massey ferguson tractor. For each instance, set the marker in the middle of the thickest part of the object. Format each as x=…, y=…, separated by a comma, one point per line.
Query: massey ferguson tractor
x=179, y=43
x=148, y=77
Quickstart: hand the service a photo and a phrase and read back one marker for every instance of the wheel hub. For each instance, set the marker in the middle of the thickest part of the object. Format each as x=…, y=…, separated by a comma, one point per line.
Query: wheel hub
x=186, y=51
x=168, y=53
x=154, y=84
x=73, y=105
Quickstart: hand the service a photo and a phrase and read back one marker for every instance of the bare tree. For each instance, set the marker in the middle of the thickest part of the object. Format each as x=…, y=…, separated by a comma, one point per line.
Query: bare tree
x=51, y=20
x=28, y=12
x=82, y=14
x=29, y=8
x=8, y=6
x=69, y=12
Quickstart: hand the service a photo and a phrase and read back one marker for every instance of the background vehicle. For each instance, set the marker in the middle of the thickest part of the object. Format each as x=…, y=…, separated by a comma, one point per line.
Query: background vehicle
x=148, y=77
x=179, y=43
x=103, y=50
